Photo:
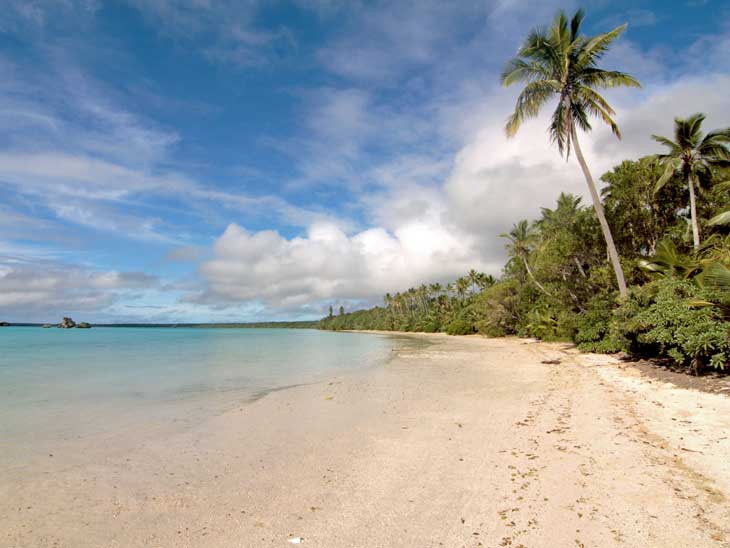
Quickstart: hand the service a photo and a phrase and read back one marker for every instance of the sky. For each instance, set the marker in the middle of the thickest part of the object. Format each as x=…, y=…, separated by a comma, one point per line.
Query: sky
x=214, y=160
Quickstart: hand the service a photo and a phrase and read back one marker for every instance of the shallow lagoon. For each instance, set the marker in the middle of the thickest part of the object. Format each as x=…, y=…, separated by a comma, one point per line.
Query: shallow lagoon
x=116, y=386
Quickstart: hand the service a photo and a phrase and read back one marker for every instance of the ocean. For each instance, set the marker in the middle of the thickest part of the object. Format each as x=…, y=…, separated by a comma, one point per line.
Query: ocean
x=112, y=386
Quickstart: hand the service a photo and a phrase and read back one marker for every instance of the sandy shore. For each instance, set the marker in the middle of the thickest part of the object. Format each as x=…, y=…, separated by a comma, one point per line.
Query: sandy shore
x=465, y=442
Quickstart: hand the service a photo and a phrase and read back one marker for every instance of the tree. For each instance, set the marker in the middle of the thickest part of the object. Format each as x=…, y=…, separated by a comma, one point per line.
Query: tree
x=331, y=314
x=561, y=61
x=640, y=217
x=474, y=278
x=485, y=281
x=691, y=157
x=342, y=310
x=521, y=237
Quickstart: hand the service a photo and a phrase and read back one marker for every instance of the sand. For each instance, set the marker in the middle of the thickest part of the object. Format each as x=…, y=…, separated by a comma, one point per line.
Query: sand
x=465, y=442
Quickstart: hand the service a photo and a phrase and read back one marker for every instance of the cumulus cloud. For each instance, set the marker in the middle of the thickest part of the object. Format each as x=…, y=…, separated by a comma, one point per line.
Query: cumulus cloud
x=327, y=263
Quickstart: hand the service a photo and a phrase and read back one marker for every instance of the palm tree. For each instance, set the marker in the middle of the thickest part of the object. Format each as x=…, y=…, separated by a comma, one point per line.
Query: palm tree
x=473, y=276
x=692, y=157
x=561, y=62
x=461, y=285
x=486, y=280
x=521, y=237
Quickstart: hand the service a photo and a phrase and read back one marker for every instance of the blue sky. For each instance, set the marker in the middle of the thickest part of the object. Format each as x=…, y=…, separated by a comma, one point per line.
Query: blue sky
x=170, y=160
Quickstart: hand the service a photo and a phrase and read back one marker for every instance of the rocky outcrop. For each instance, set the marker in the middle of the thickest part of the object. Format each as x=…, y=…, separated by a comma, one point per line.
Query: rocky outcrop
x=83, y=325
x=67, y=323
x=4, y=324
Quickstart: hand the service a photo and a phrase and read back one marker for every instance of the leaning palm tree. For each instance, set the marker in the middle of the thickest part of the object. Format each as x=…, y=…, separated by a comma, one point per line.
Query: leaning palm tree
x=561, y=62
x=521, y=238
x=692, y=156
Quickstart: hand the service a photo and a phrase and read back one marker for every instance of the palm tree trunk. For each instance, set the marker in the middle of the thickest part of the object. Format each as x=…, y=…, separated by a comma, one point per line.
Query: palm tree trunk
x=598, y=207
x=693, y=214
x=532, y=277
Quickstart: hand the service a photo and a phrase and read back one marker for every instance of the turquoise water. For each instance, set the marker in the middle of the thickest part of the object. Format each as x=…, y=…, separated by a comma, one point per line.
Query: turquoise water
x=59, y=385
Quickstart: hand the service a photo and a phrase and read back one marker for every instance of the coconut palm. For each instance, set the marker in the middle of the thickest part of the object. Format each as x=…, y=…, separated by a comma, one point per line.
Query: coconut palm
x=561, y=62
x=521, y=238
x=473, y=277
x=486, y=280
x=692, y=156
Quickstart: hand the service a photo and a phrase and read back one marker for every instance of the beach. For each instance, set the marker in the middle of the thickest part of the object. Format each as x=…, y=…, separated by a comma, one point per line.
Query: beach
x=455, y=441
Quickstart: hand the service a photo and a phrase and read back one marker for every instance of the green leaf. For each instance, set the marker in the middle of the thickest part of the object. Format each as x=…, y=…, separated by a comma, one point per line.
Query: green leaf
x=721, y=219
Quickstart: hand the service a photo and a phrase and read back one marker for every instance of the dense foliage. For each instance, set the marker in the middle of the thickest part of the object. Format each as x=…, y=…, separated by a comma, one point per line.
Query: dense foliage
x=558, y=284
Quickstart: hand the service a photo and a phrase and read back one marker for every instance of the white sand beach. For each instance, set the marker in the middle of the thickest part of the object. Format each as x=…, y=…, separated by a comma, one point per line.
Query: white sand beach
x=465, y=442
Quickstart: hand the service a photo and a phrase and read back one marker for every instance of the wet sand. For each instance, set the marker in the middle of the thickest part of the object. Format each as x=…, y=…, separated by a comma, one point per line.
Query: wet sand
x=463, y=442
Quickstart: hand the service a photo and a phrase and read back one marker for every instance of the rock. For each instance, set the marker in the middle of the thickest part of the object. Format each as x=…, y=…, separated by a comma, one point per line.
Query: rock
x=4, y=324
x=67, y=323
x=83, y=325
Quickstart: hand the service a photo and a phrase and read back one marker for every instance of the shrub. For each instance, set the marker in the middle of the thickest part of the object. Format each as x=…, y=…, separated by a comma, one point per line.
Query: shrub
x=432, y=326
x=593, y=332
x=496, y=309
x=460, y=326
x=659, y=320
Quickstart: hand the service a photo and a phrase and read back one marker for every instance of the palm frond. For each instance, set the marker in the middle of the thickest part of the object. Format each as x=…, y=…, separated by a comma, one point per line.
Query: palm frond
x=596, y=77
x=669, y=171
x=714, y=150
x=532, y=97
x=575, y=24
x=557, y=128
x=716, y=276
x=673, y=147
x=587, y=93
x=559, y=34
x=579, y=116
x=596, y=110
x=518, y=70
x=721, y=219
x=669, y=261
x=593, y=49
x=718, y=136
x=539, y=48
x=596, y=105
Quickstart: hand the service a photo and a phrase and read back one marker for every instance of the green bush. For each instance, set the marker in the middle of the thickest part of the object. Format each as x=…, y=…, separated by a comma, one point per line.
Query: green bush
x=432, y=326
x=496, y=309
x=460, y=326
x=593, y=332
x=659, y=320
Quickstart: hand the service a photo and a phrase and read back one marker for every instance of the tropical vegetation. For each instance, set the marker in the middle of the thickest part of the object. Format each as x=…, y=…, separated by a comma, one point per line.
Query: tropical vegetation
x=629, y=274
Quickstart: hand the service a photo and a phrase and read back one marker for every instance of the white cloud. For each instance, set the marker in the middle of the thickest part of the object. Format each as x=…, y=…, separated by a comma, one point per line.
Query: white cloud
x=327, y=263
x=33, y=289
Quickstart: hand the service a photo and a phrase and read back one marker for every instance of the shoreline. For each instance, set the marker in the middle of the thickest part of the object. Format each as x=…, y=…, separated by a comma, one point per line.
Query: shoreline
x=460, y=441
x=712, y=382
